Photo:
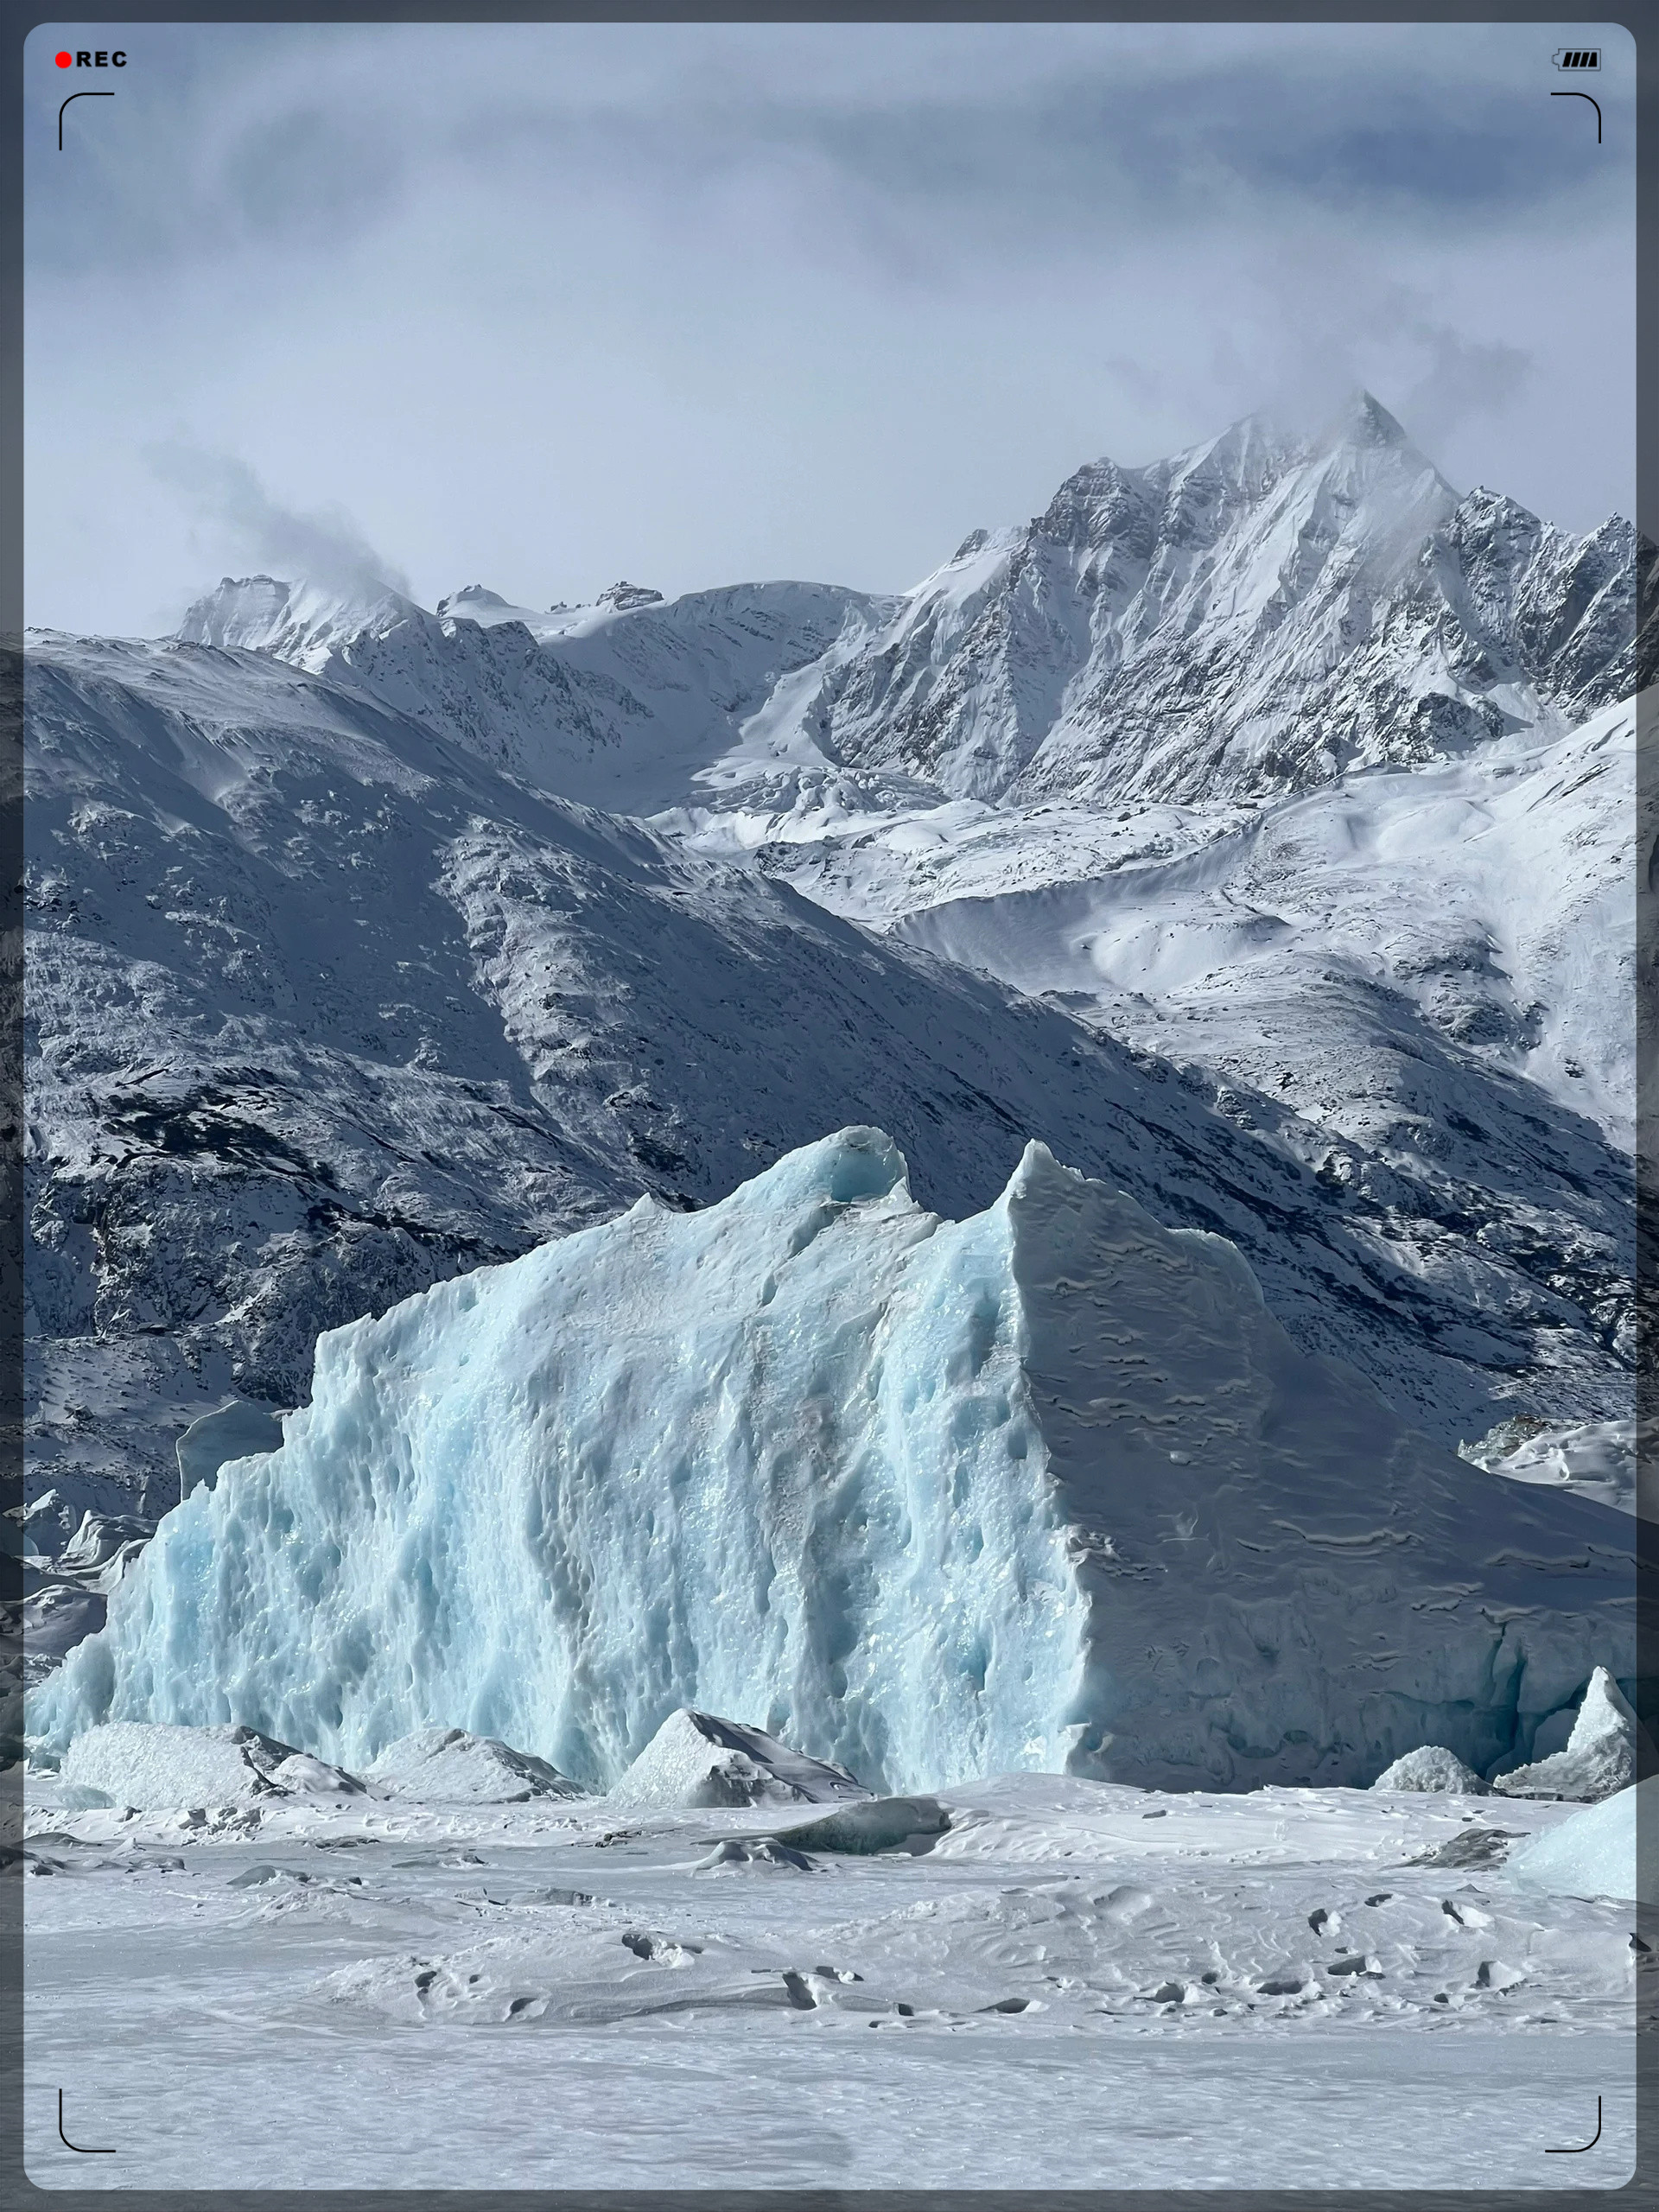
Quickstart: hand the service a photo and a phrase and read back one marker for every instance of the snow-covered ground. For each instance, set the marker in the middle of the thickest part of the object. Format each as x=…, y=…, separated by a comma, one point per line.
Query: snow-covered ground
x=1077, y=1984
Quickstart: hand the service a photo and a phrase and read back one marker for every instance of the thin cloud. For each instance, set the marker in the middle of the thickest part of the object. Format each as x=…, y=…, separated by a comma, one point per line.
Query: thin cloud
x=229, y=499
x=1467, y=379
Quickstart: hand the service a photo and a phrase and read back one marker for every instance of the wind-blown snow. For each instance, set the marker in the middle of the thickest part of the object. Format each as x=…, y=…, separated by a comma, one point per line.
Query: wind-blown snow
x=1046, y=1487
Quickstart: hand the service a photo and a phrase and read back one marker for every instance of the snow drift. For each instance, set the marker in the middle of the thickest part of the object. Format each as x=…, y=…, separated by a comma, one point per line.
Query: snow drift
x=446, y=1766
x=1432, y=1768
x=1048, y=1488
x=156, y=1768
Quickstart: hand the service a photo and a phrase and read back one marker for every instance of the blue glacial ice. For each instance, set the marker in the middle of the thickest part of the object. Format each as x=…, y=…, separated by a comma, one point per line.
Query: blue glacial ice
x=1048, y=1488
x=1609, y=1850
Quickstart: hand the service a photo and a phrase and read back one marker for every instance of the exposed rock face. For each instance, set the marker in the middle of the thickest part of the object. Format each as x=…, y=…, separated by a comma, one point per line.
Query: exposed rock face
x=1251, y=618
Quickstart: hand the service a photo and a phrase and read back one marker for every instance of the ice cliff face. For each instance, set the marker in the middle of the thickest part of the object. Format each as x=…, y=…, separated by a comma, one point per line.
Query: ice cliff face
x=1047, y=1487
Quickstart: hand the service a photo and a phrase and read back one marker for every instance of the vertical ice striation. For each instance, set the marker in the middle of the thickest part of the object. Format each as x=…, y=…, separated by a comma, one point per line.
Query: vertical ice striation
x=1046, y=1488
x=776, y=1459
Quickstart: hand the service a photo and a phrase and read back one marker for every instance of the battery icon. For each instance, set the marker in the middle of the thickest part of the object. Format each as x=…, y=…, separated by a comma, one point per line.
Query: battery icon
x=1577, y=57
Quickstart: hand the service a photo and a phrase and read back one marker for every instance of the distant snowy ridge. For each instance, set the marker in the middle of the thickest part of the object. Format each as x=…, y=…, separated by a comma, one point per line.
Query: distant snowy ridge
x=1255, y=616
x=1046, y=1488
x=620, y=704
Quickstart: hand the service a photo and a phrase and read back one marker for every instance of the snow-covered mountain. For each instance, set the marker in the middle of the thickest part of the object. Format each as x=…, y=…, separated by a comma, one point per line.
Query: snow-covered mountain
x=340, y=984
x=620, y=704
x=1253, y=617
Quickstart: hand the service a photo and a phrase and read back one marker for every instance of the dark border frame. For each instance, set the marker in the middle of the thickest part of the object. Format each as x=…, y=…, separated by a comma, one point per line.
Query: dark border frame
x=15, y=2188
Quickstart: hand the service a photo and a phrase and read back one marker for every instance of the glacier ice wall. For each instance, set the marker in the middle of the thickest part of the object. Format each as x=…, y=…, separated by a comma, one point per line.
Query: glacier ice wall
x=1047, y=1487
x=774, y=1459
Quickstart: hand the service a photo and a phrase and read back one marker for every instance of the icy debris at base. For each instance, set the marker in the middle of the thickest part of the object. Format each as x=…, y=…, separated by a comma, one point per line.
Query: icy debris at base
x=1609, y=1850
x=1432, y=1767
x=300, y=1776
x=1471, y=1847
x=448, y=1766
x=156, y=1767
x=697, y=1758
x=1048, y=1488
x=755, y=1851
x=1594, y=1459
x=1601, y=1753
x=879, y=1824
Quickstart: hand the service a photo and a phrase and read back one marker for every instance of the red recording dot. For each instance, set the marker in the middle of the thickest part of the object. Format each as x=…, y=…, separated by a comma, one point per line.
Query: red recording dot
x=66, y=61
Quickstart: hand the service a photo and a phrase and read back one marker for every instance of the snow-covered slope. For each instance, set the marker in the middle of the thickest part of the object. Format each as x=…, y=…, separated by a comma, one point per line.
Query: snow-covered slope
x=322, y=1007
x=1257, y=616
x=1044, y=1488
x=620, y=704
x=1494, y=899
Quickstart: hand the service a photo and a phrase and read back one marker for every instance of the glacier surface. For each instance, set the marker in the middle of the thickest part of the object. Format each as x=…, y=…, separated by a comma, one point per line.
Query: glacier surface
x=1046, y=1488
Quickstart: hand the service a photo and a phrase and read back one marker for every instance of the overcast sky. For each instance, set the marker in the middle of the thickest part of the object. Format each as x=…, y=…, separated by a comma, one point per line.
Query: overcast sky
x=543, y=306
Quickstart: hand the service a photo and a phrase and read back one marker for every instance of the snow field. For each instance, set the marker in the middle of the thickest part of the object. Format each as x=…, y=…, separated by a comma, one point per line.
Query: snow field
x=1079, y=1982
